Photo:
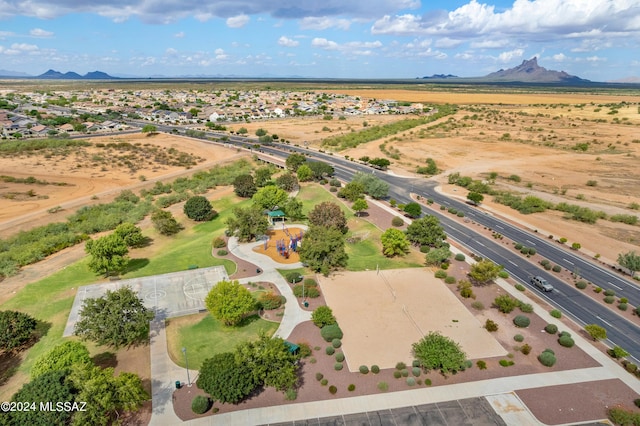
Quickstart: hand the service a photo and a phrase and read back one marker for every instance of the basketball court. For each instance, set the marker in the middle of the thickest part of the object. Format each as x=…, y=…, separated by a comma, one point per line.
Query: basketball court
x=168, y=295
x=382, y=313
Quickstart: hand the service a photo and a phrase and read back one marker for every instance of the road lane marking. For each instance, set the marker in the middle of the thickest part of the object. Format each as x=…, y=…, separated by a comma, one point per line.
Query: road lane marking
x=608, y=323
x=612, y=284
x=498, y=226
x=568, y=261
x=480, y=243
x=530, y=242
x=513, y=263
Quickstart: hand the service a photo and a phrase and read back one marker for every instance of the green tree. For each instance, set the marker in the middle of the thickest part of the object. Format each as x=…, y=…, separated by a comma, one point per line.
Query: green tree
x=323, y=315
x=130, y=234
x=263, y=176
x=475, y=197
x=373, y=185
x=270, y=362
x=394, y=243
x=287, y=181
x=328, y=215
x=304, y=173
x=360, y=205
x=226, y=379
x=116, y=319
x=16, y=329
x=242, y=131
x=381, y=163
x=595, y=331
x=164, y=222
x=150, y=129
x=261, y=132
x=247, y=223
x=294, y=161
x=352, y=191
x=484, y=271
x=505, y=303
x=229, y=302
x=269, y=197
x=319, y=169
x=630, y=260
x=61, y=358
x=108, y=254
x=323, y=249
x=198, y=208
x=413, y=209
x=293, y=208
x=435, y=351
x=438, y=255
x=426, y=231
x=244, y=186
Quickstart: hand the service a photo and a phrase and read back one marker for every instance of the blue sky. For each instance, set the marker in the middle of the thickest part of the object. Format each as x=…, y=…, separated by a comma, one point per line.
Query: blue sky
x=594, y=39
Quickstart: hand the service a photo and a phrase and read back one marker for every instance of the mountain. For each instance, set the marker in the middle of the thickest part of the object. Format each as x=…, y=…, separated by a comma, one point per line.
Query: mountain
x=57, y=75
x=440, y=77
x=530, y=72
x=7, y=73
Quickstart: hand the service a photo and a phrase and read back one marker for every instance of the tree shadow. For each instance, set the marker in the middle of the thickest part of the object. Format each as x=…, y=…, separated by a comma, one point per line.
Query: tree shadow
x=247, y=320
x=146, y=242
x=135, y=265
x=9, y=363
x=105, y=360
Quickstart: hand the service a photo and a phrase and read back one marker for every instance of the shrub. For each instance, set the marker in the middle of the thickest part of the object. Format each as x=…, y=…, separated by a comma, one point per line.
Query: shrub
x=270, y=300
x=526, y=308
x=518, y=246
x=609, y=299
x=337, y=366
x=416, y=363
x=440, y=274
x=477, y=305
x=363, y=369
x=401, y=366
x=416, y=371
x=506, y=362
x=459, y=257
x=218, y=242
x=518, y=338
x=351, y=387
x=340, y=356
x=555, y=313
x=324, y=382
x=330, y=350
x=397, y=374
x=319, y=376
x=427, y=382
x=405, y=373
x=491, y=325
x=637, y=402
x=336, y=343
x=581, y=285
x=624, y=300
x=544, y=262
x=566, y=341
x=375, y=369
x=520, y=287
x=556, y=268
x=411, y=381
x=620, y=416
x=609, y=292
x=333, y=390
x=290, y=394
x=598, y=289
x=481, y=365
x=330, y=332
x=521, y=321
x=547, y=358
x=293, y=277
x=222, y=252
x=505, y=303
x=551, y=328
x=200, y=404
x=450, y=280
x=397, y=221
x=383, y=386
x=623, y=306
x=526, y=349
x=322, y=316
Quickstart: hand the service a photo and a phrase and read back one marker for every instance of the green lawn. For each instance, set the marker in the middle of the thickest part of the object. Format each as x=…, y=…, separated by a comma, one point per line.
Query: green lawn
x=203, y=336
x=312, y=194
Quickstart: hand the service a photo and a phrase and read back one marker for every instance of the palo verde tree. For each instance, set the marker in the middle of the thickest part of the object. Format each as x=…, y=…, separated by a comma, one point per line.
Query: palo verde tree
x=16, y=330
x=475, y=197
x=164, y=222
x=438, y=352
x=116, y=319
x=595, y=331
x=394, y=243
x=484, y=272
x=109, y=254
x=323, y=315
x=373, y=185
x=328, y=215
x=198, y=208
x=247, y=223
x=229, y=302
x=630, y=260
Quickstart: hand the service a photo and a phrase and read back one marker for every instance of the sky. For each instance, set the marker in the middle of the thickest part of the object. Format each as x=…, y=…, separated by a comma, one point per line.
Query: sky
x=594, y=39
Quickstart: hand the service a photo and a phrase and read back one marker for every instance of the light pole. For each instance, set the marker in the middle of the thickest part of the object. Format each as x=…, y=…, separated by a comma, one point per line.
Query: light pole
x=184, y=351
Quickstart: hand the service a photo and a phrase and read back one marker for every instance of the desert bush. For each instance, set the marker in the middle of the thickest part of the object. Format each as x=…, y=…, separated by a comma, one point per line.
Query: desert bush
x=338, y=366
x=416, y=371
x=624, y=300
x=411, y=381
x=333, y=390
x=609, y=299
x=521, y=321
x=397, y=374
x=518, y=246
x=324, y=382
x=477, y=305
x=330, y=332
x=556, y=268
x=505, y=303
x=270, y=300
x=518, y=338
x=440, y=274
x=482, y=365
x=520, y=287
x=340, y=357
x=319, y=376
x=363, y=369
x=544, y=262
x=506, y=362
x=459, y=257
x=219, y=242
x=336, y=343
x=555, y=313
x=581, y=285
x=623, y=306
x=491, y=325
x=290, y=394
x=222, y=252
x=526, y=349
x=397, y=221
x=503, y=274
x=547, y=358
x=405, y=373
x=609, y=292
x=330, y=350
x=598, y=289
x=566, y=340
x=351, y=387
x=293, y=277
x=620, y=416
x=375, y=369
x=200, y=404
x=425, y=249
x=551, y=328
x=383, y=386
x=450, y=280
x=416, y=363
x=526, y=308
x=401, y=365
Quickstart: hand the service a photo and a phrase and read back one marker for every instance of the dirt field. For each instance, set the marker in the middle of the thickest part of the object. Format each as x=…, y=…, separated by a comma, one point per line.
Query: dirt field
x=88, y=172
x=382, y=314
x=276, y=235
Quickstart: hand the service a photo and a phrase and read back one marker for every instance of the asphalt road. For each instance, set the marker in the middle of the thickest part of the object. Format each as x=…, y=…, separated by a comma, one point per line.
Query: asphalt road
x=565, y=297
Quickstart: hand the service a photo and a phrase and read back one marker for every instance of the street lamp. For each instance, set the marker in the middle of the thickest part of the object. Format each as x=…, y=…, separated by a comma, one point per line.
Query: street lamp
x=184, y=351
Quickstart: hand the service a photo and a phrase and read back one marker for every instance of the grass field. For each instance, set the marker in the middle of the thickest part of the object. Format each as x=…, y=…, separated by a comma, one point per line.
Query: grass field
x=203, y=336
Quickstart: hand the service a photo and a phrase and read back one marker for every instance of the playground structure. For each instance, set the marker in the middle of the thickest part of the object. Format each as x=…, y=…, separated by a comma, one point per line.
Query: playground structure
x=282, y=244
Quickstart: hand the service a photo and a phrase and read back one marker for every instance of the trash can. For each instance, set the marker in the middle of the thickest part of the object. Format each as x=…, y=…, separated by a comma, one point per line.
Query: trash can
x=178, y=384
x=258, y=271
x=306, y=304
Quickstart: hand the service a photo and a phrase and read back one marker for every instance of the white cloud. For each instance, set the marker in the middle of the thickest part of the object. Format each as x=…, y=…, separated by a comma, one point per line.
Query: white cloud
x=238, y=21
x=447, y=43
x=323, y=43
x=510, y=55
x=179, y=35
x=352, y=47
x=287, y=42
x=5, y=34
x=489, y=44
x=324, y=23
x=38, y=32
x=24, y=47
x=559, y=57
x=220, y=54
x=171, y=51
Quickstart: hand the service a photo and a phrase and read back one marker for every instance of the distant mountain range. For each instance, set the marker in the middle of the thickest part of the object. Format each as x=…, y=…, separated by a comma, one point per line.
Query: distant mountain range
x=57, y=75
x=527, y=72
